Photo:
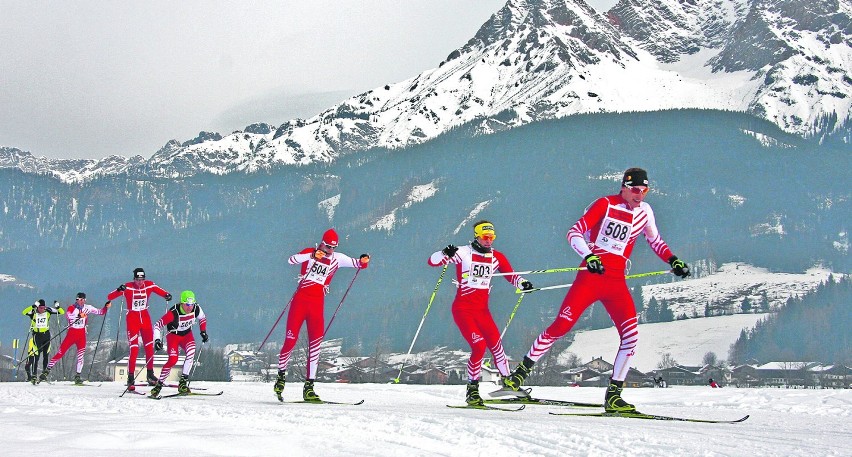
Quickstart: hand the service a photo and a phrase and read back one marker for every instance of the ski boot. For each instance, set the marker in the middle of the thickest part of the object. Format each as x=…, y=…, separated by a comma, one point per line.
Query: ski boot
x=44, y=374
x=512, y=383
x=152, y=380
x=183, y=387
x=279, y=385
x=155, y=391
x=78, y=381
x=473, y=398
x=613, y=403
x=308, y=393
x=131, y=380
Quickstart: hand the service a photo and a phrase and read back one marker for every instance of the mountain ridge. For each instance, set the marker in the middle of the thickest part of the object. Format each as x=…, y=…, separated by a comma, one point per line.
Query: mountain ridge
x=544, y=59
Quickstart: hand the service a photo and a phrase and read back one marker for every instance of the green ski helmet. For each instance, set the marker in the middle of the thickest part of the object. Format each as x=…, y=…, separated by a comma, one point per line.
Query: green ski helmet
x=187, y=297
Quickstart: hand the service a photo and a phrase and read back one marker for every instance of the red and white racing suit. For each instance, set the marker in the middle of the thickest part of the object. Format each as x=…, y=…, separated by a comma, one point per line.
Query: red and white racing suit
x=178, y=327
x=309, y=301
x=470, y=307
x=608, y=229
x=77, y=319
x=138, y=320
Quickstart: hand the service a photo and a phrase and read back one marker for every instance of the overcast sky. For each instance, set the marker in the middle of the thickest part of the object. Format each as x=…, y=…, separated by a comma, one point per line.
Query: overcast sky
x=87, y=79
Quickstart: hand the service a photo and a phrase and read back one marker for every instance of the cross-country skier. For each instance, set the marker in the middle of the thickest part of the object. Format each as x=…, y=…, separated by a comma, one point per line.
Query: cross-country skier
x=136, y=294
x=475, y=263
x=318, y=267
x=39, y=345
x=78, y=315
x=604, y=237
x=178, y=322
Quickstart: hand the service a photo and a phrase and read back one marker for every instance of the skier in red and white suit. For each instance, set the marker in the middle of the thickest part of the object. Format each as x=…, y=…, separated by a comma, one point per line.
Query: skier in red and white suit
x=78, y=315
x=604, y=237
x=178, y=322
x=136, y=294
x=319, y=265
x=475, y=263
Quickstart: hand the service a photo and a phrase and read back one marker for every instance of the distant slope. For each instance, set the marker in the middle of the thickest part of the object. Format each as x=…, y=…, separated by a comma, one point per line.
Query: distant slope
x=687, y=340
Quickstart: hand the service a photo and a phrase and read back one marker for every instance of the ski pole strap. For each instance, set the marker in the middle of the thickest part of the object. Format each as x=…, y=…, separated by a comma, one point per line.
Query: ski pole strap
x=533, y=272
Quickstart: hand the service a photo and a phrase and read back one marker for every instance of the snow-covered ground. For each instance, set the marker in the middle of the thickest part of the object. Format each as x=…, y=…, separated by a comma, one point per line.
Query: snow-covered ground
x=687, y=341
x=412, y=420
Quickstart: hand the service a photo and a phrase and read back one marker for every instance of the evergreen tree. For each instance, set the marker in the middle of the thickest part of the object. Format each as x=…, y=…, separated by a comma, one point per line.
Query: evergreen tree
x=666, y=314
x=814, y=327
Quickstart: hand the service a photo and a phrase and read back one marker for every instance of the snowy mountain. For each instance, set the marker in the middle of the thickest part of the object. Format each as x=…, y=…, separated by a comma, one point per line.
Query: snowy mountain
x=533, y=60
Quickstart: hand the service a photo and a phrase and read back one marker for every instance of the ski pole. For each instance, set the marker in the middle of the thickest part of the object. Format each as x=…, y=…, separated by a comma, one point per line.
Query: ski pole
x=117, y=330
x=136, y=375
x=298, y=286
x=432, y=298
x=532, y=272
x=341, y=301
x=195, y=363
x=512, y=316
x=562, y=286
x=652, y=273
x=559, y=286
x=95, y=354
x=25, y=354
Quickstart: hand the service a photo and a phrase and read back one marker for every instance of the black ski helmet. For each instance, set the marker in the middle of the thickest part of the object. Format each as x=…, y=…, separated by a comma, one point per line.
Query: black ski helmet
x=139, y=273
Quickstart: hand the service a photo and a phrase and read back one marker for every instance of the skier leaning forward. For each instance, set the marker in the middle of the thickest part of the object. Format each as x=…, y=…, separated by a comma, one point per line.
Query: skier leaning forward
x=318, y=267
x=178, y=322
x=475, y=263
x=78, y=316
x=604, y=237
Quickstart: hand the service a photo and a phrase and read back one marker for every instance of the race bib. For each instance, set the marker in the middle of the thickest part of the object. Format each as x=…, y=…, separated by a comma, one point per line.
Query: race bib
x=78, y=323
x=41, y=321
x=318, y=273
x=139, y=304
x=479, y=276
x=185, y=322
x=615, y=231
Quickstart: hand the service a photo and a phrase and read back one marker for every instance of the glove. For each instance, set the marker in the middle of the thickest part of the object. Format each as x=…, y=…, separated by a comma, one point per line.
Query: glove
x=108, y=304
x=158, y=345
x=526, y=285
x=450, y=250
x=678, y=267
x=319, y=254
x=121, y=288
x=168, y=297
x=83, y=315
x=204, y=336
x=594, y=265
x=364, y=258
